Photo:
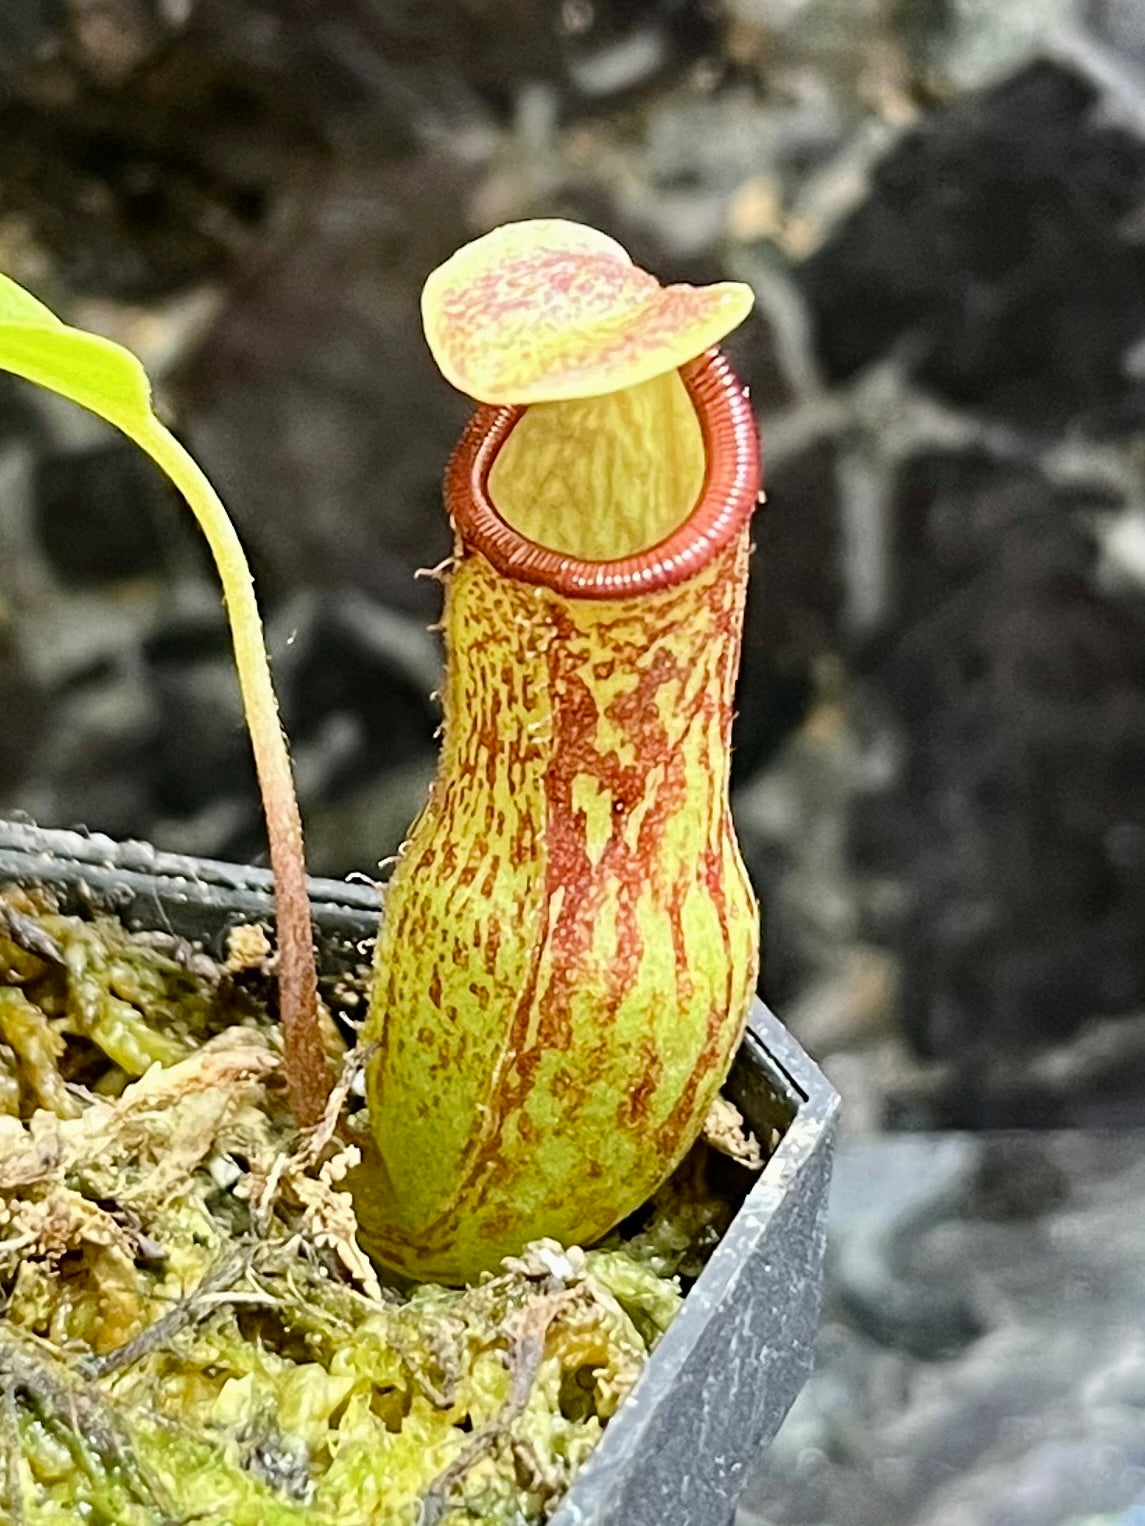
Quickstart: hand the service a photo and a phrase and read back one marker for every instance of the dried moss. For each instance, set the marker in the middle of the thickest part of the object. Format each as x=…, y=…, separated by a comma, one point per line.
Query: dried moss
x=190, y=1330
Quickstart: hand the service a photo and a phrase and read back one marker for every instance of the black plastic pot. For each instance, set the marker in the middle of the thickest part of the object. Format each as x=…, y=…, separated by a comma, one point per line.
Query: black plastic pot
x=722, y=1379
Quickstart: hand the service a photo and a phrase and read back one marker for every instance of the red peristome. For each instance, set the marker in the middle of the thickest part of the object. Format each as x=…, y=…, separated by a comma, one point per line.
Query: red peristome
x=727, y=499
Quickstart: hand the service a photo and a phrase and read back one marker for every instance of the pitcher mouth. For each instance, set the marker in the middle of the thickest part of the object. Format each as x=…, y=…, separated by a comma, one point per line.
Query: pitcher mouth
x=726, y=501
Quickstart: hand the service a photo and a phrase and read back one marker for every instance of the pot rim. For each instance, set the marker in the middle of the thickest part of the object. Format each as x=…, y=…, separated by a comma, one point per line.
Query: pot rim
x=728, y=498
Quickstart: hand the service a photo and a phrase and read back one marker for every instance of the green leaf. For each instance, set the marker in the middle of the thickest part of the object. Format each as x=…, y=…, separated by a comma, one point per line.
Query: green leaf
x=89, y=370
x=19, y=306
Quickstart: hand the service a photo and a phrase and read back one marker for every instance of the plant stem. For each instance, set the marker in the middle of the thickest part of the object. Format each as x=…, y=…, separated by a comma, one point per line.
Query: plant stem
x=307, y=1073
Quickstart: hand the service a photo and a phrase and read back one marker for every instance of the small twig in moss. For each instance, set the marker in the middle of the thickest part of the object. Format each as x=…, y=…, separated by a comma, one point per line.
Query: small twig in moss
x=26, y=933
x=526, y=1352
x=331, y=1123
x=217, y=1286
x=13, y=1490
x=85, y=1419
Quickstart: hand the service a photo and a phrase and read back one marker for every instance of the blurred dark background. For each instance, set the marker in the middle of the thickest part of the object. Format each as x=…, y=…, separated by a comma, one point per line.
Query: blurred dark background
x=940, y=751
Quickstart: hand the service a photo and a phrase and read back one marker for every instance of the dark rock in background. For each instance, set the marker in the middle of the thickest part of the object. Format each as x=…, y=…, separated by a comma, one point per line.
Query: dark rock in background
x=794, y=606
x=95, y=513
x=22, y=705
x=314, y=401
x=141, y=156
x=997, y=250
x=197, y=740
x=150, y=143
x=1019, y=817
x=611, y=51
